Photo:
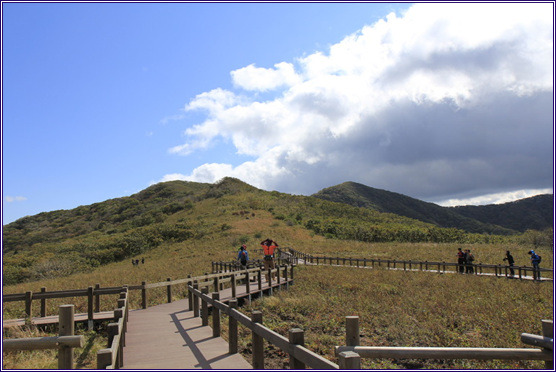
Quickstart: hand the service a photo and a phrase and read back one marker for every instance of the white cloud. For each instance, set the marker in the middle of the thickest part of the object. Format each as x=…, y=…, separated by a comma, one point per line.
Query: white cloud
x=263, y=79
x=497, y=198
x=443, y=100
x=12, y=199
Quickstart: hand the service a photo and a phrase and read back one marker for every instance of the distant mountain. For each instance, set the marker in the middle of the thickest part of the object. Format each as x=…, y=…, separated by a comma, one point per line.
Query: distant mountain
x=177, y=214
x=534, y=213
x=493, y=219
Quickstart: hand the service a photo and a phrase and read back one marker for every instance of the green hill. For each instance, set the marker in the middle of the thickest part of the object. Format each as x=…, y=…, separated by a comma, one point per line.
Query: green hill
x=64, y=242
x=389, y=202
x=510, y=218
x=534, y=213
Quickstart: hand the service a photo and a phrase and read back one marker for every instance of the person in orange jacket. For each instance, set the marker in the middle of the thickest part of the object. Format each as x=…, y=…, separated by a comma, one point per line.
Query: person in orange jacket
x=269, y=246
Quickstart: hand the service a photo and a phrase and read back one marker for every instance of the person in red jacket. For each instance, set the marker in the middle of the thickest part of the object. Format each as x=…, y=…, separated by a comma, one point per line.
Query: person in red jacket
x=269, y=246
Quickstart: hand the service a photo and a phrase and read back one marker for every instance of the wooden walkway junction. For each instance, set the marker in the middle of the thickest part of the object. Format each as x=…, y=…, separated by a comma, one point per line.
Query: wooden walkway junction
x=53, y=319
x=169, y=336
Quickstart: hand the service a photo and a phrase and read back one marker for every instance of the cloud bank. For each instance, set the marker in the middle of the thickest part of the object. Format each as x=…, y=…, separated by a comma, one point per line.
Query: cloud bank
x=447, y=101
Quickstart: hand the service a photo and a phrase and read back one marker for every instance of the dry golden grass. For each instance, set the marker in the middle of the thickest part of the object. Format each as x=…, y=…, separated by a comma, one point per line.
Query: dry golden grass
x=396, y=308
x=408, y=309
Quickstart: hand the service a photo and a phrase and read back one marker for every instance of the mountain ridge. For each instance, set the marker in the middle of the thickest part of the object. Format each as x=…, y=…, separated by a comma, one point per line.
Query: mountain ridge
x=521, y=215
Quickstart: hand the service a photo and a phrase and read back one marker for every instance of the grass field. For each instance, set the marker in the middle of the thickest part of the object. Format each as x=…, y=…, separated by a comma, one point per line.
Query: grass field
x=407, y=309
x=396, y=308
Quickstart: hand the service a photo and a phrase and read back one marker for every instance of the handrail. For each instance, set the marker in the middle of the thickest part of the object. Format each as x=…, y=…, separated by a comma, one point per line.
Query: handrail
x=94, y=292
x=428, y=265
x=447, y=353
x=352, y=353
x=112, y=356
x=64, y=342
x=295, y=351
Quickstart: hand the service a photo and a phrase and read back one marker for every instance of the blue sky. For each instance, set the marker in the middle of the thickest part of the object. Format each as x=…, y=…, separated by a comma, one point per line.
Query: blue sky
x=102, y=100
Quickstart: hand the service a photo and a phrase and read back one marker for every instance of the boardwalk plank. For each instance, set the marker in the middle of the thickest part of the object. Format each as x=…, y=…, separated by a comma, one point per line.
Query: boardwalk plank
x=169, y=337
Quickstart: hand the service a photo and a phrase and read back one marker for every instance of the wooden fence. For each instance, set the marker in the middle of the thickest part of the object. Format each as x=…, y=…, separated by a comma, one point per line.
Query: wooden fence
x=64, y=342
x=350, y=355
x=293, y=345
x=440, y=267
x=283, y=257
x=93, y=293
x=113, y=356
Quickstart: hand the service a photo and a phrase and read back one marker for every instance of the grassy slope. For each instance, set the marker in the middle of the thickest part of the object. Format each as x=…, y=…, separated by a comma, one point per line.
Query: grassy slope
x=396, y=308
x=509, y=218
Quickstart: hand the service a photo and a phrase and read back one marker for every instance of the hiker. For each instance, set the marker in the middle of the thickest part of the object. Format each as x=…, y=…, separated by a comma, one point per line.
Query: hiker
x=469, y=258
x=511, y=262
x=143, y=260
x=269, y=246
x=243, y=256
x=535, y=261
x=461, y=260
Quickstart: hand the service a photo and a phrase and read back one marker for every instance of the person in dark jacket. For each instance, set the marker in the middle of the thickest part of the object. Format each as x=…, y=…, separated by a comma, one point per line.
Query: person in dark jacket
x=469, y=258
x=243, y=256
x=461, y=260
x=511, y=262
x=535, y=261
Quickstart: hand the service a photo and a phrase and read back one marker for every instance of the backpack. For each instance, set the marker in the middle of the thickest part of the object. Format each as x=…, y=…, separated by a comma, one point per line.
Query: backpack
x=540, y=258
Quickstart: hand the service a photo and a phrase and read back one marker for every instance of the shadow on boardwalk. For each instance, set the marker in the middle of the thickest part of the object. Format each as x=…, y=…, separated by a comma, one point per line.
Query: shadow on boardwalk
x=169, y=337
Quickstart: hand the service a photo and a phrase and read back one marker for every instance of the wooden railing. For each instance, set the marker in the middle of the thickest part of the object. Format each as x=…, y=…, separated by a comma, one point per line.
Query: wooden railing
x=440, y=267
x=92, y=293
x=350, y=355
x=64, y=342
x=293, y=345
x=113, y=356
x=283, y=257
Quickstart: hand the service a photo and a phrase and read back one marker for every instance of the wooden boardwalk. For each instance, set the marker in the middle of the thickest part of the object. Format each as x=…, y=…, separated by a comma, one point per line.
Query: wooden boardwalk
x=168, y=336
x=515, y=277
x=53, y=319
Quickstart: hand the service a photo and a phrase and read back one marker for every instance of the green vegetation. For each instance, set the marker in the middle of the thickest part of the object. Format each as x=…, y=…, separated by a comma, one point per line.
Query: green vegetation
x=180, y=227
x=509, y=218
x=406, y=309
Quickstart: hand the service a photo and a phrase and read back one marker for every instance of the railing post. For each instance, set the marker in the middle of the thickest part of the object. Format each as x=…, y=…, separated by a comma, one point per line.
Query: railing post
x=169, y=290
x=28, y=303
x=296, y=337
x=216, y=282
x=144, y=295
x=66, y=328
x=233, y=278
x=204, y=308
x=195, y=301
x=352, y=331
x=215, y=316
x=43, y=303
x=113, y=332
x=349, y=360
x=258, y=342
x=260, y=281
x=548, y=331
x=90, y=304
x=232, y=329
x=104, y=358
x=247, y=290
x=97, y=298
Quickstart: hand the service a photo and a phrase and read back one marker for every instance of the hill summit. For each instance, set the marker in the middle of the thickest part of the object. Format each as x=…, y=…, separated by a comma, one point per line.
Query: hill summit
x=531, y=213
